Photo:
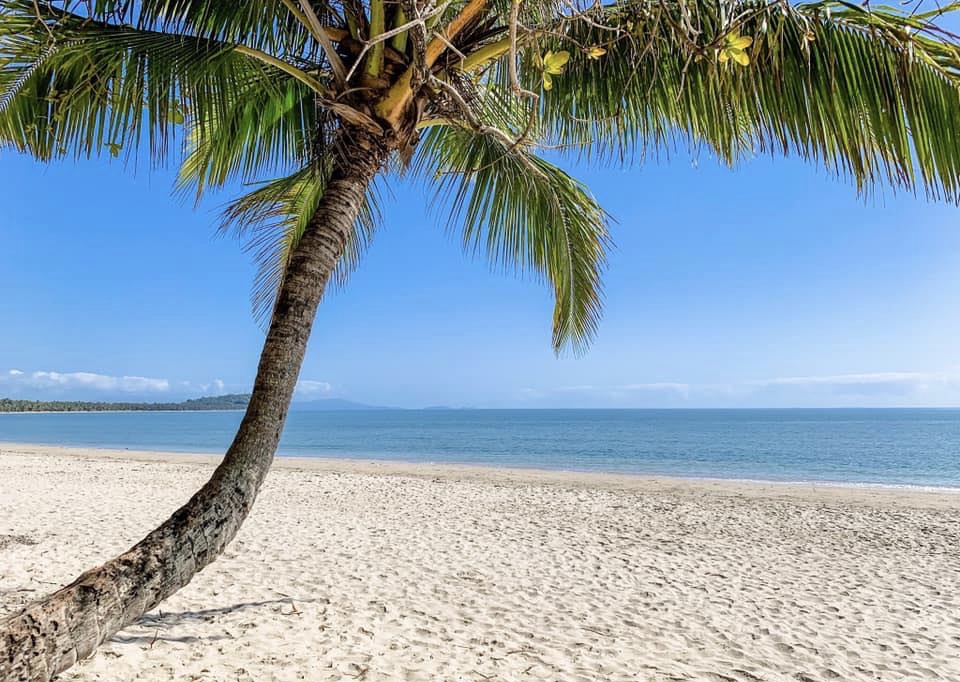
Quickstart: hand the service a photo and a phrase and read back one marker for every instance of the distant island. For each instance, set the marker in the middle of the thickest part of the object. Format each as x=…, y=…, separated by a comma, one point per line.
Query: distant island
x=233, y=401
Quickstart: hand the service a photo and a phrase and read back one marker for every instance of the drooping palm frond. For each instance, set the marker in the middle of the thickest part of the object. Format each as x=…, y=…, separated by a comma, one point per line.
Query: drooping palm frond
x=263, y=87
x=266, y=128
x=869, y=92
x=524, y=213
x=272, y=218
x=267, y=25
x=90, y=87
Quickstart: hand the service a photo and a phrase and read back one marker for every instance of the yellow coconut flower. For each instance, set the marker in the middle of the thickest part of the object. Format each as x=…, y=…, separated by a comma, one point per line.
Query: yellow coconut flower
x=595, y=52
x=735, y=48
x=552, y=64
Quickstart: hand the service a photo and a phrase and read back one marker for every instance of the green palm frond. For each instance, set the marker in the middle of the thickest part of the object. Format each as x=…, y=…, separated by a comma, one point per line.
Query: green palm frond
x=96, y=87
x=263, y=24
x=264, y=87
x=872, y=93
x=265, y=129
x=524, y=213
x=270, y=221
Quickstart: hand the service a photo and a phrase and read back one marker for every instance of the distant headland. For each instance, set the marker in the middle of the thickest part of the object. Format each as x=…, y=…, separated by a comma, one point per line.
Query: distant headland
x=234, y=401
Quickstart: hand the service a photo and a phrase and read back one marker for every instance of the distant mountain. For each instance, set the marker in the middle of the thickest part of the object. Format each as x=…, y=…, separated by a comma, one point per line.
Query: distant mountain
x=326, y=404
x=234, y=401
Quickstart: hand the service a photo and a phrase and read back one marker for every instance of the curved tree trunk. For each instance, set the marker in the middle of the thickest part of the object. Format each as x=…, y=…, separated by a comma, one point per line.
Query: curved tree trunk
x=51, y=634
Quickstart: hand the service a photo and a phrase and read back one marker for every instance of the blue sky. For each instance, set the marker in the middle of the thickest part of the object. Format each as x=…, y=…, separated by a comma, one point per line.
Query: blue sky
x=769, y=285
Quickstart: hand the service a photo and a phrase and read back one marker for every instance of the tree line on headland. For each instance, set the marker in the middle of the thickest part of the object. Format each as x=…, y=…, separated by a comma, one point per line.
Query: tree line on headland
x=235, y=401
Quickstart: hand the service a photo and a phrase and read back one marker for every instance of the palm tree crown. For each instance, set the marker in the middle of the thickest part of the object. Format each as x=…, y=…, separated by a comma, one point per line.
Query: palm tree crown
x=469, y=93
x=316, y=99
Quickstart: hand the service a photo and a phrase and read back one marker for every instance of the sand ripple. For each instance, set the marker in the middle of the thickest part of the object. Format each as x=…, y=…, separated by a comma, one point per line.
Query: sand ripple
x=353, y=576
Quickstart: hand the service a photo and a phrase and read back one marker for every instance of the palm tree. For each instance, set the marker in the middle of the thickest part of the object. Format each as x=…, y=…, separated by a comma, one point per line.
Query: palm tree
x=333, y=97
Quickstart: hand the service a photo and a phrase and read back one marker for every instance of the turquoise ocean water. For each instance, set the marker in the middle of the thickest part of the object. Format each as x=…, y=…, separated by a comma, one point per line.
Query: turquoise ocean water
x=882, y=446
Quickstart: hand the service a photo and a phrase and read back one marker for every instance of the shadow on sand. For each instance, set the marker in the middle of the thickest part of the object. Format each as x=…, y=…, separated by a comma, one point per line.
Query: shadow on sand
x=161, y=622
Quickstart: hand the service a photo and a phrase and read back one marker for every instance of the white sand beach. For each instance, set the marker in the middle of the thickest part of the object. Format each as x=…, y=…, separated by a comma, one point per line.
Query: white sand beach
x=379, y=571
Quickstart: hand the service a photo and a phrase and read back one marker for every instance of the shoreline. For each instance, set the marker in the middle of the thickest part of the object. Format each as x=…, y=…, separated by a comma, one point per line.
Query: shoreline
x=824, y=490
x=387, y=572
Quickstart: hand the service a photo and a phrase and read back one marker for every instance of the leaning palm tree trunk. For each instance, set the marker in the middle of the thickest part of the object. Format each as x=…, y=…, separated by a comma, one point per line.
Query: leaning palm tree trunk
x=870, y=92
x=53, y=633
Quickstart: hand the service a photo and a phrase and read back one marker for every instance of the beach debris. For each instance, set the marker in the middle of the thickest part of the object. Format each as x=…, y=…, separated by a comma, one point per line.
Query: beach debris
x=18, y=539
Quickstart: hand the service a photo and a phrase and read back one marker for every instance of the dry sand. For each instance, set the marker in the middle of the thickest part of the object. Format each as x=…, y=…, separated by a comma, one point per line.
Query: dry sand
x=374, y=572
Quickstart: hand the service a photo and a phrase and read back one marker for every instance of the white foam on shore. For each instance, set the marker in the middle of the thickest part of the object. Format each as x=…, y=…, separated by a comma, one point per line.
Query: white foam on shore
x=346, y=461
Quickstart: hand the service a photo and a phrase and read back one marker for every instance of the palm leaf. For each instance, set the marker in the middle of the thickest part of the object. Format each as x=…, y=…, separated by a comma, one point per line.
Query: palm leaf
x=272, y=218
x=524, y=213
x=98, y=86
x=266, y=25
x=869, y=93
x=263, y=130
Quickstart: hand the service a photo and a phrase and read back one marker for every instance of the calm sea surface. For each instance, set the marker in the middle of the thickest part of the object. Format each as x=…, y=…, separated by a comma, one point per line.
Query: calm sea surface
x=894, y=447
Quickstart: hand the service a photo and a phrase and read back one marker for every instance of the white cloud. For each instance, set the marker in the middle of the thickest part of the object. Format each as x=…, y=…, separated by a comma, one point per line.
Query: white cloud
x=669, y=392
x=876, y=383
x=89, y=381
x=847, y=379
x=307, y=387
x=587, y=388
x=877, y=388
x=661, y=386
x=216, y=386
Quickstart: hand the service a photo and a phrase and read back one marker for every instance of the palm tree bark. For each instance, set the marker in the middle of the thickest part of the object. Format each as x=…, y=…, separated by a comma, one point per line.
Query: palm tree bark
x=52, y=634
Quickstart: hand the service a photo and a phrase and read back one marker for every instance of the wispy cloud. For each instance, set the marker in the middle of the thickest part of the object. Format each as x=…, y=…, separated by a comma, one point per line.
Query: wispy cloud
x=877, y=383
x=307, y=387
x=77, y=385
x=655, y=386
x=659, y=387
x=215, y=386
x=668, y=392
x=86, y=380
x=869, y=388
